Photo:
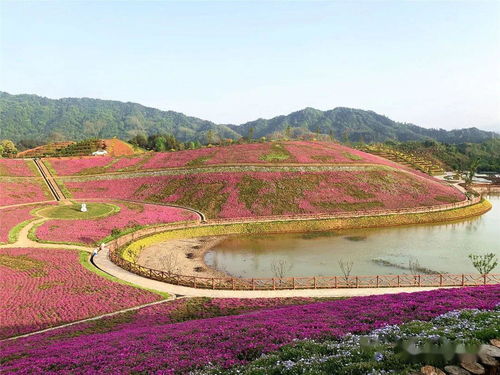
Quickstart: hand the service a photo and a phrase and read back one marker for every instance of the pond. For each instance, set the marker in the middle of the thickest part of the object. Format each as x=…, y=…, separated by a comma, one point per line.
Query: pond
x=432, y=248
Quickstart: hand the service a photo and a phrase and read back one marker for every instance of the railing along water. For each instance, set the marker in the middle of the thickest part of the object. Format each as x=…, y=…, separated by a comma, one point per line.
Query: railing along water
x=313, y=282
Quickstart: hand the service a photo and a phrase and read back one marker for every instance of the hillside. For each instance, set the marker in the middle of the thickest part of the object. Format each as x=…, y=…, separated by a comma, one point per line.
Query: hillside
x=31, y=117
x=254, y=180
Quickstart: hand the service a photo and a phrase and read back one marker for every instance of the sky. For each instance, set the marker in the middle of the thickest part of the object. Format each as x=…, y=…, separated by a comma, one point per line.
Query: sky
x=434, y=64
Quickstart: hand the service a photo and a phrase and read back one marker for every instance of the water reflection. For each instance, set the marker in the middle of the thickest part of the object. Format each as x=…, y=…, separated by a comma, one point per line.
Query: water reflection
x=436, y=248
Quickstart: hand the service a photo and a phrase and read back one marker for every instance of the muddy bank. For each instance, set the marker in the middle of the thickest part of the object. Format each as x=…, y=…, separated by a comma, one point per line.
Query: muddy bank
x=182, y=256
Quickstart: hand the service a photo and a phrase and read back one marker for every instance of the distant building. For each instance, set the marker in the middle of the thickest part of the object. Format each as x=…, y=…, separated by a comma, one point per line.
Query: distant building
x=100, y=152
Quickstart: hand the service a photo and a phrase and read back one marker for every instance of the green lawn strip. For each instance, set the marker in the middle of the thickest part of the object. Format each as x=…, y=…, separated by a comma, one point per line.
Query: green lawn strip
x=33, y=168
x=63, y=188
x=130, y=251
x=95, y=211
x=49, y=167
x=84, y=258
x=278, y=154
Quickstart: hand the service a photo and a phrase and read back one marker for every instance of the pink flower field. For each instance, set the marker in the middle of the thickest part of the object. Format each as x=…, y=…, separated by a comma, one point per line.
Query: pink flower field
x=130, y=215
x=293, y=152
x=151, y=342
x=10, y=217
x=16, y=191
x=253, y=194
x=16, y=168
x=40, y=288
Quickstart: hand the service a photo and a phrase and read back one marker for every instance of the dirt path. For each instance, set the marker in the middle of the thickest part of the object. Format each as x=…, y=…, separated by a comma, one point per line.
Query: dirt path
x=89, y=319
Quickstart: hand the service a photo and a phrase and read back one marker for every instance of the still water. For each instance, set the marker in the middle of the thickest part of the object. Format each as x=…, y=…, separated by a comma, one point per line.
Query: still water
x=434, y=248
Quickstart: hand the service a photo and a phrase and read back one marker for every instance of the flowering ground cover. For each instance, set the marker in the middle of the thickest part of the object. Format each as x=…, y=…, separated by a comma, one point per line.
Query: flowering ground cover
x=382, y=351
x=289, y=152
x=11, y=217
x=129, y=216
x=17, y=167
x=16, y=191
x=40, y=288
x=170, y=348
x=254, y=194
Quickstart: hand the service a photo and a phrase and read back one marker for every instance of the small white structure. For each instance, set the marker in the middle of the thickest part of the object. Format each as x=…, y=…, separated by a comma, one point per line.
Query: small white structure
x=99, y=152
x=84, y=207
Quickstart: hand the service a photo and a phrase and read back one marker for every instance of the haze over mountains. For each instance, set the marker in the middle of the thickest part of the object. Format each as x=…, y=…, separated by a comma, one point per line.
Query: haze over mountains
x=34, y=117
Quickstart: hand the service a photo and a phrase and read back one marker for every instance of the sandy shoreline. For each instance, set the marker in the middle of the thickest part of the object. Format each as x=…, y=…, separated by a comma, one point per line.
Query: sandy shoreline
x=182, y=256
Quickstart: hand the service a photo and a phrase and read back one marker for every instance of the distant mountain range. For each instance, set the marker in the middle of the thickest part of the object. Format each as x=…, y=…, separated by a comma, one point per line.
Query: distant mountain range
x=34, y=117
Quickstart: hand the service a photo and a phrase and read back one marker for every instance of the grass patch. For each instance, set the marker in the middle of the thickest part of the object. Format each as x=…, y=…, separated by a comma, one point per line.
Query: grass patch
x=279, y=196
x=278, y=154
x=206, y=197
x=350, y=156
x=446, y=199
x=72, y=212
x=199, y=161
x=34, y=267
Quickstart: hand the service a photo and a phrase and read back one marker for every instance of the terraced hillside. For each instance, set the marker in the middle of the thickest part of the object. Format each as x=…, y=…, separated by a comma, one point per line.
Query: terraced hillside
x=254, y=180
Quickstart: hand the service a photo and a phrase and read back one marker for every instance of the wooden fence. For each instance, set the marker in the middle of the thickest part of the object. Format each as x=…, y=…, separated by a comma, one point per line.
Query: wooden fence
x=315, y=282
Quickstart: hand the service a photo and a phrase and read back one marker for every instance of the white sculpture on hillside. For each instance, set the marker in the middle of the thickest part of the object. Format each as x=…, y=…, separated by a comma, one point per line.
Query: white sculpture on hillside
x=84, y=207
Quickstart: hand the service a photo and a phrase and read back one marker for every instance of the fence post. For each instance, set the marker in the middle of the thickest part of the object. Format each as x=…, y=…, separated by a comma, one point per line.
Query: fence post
x=377, y=282
x=314, y=281
x=293, y=282
x=232, y=283
x=274, y=284
x=440, y=279
x=357, y=283
x=335, y=282
x=463, y=280
x=398, y=281
x=253, y=284
x=419, y=280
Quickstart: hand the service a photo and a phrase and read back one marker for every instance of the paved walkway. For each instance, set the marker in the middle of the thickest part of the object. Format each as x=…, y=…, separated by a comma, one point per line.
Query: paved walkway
x=102, y=261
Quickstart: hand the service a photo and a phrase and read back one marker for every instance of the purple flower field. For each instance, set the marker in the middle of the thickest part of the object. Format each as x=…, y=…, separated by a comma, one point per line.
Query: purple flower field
x=155, y=346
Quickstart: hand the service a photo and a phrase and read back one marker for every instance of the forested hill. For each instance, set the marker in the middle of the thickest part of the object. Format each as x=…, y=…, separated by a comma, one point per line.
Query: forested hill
x=358, y=125
x=33, y=117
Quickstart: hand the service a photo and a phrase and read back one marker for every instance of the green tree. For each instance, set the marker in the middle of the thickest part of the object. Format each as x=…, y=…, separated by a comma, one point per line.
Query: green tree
x=8, y=148
x=469, y=176
x=160, y=144
x=251, y=131
x=484, y=264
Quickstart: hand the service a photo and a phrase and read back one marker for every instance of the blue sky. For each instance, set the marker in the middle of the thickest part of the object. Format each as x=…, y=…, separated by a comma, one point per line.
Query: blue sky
x=436, y=64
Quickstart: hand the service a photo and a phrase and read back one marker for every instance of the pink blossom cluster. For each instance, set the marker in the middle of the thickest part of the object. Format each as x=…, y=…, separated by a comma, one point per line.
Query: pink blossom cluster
x=41, y=288
x=153, y=345
x=302, y=152
x=71, y=166
x=92, y=230
x=15, y=167
x=334, y=192
x=21, y=191
x=11, y=216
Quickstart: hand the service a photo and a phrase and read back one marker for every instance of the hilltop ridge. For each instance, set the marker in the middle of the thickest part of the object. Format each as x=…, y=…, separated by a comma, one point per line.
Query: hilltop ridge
x=34, y=117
